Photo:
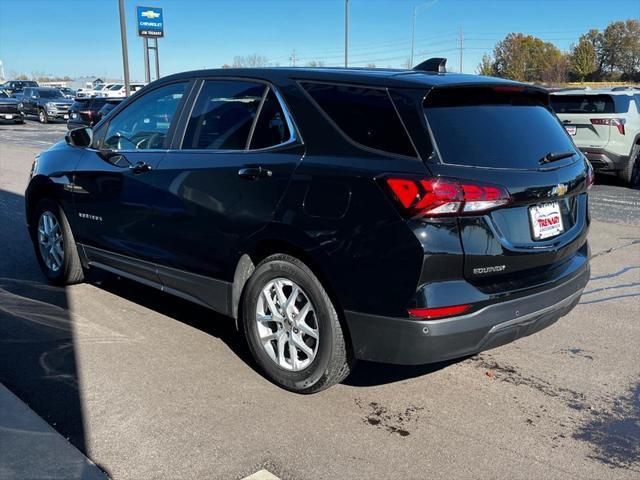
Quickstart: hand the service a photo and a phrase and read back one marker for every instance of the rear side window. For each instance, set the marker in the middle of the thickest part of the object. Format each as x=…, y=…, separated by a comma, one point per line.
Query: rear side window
x=583, y=104
x=271, y=127
x=222, y=116
x=365, y=115
x=483, y=127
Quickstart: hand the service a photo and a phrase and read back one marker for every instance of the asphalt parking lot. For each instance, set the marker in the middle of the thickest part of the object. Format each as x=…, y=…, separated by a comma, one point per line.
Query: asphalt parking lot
x=149, y=386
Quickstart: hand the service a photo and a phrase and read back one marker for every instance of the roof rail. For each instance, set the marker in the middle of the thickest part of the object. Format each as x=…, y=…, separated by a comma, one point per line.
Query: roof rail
x=436, y=65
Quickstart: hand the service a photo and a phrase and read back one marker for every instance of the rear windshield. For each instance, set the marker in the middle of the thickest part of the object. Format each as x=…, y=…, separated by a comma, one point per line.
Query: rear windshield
x=583, y=104
x=482, y=127
x=50, y=93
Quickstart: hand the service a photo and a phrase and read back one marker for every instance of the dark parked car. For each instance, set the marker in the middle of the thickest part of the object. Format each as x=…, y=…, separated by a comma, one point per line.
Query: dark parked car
x=47, y=103
x=390, y=215
x=17, y=86
x=9, y=110
x=86, y=112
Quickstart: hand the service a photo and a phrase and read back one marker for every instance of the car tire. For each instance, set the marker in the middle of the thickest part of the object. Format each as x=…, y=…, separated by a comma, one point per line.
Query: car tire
x=631, y=173
x=330, y=360
x=51, y=233
x=42, y=116
x=19, y=122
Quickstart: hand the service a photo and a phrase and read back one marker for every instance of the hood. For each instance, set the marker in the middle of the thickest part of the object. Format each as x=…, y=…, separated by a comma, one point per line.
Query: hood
x=8, y=101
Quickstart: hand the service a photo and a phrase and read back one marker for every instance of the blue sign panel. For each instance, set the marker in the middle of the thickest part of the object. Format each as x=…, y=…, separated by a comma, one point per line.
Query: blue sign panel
x=150, y=22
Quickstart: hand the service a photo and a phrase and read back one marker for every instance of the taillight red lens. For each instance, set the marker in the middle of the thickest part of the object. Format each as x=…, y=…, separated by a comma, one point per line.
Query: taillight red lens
x=431, y=313
x=440, y=196
x=614, y=122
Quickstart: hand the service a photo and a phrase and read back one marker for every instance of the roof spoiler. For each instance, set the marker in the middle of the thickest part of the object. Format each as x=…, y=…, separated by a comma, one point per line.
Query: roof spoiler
x=435, y=65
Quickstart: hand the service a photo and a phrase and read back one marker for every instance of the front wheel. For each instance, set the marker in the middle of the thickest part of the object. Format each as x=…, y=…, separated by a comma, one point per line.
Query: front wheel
x=292, y=328
x=55, y=246
x=42, y=116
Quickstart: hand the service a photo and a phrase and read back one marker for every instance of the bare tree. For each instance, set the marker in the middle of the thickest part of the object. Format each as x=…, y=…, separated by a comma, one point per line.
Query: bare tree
x=250, y=61
x=371, y=65
x=315, y=63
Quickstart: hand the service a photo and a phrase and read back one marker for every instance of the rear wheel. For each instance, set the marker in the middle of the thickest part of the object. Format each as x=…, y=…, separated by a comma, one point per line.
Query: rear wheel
x=292, y=328
x=631, y=173
x=42, y=116
x=55, y=246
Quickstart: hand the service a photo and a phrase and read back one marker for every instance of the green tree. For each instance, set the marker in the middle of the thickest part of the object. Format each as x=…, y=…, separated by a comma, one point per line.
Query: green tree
x=528, y=59
x=583, y=59
x=485, y=67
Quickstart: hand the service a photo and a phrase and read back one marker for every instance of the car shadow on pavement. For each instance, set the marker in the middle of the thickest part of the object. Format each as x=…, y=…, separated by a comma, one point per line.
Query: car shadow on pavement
x=365, y=374
x=370, y=374
x=37, y=343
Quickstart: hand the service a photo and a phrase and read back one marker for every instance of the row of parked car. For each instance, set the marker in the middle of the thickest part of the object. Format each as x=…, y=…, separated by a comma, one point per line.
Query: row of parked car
x=85, y=107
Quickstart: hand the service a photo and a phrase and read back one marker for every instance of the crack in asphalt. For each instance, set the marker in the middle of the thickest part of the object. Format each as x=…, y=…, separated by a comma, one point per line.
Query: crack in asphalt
x=613, y=249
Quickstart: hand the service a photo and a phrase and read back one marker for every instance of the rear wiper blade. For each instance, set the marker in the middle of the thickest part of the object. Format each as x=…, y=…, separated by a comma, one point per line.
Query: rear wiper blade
x=555, y=156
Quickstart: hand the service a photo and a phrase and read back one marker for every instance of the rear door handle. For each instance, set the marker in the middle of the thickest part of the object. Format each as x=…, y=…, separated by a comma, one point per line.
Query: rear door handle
x=254, y=173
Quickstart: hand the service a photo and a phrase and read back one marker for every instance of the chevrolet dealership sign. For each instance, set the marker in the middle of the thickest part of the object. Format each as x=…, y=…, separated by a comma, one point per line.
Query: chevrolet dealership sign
x=150, y=22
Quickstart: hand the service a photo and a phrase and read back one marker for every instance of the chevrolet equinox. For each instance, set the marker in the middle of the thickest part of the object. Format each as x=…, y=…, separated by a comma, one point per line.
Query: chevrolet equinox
x=398, y=216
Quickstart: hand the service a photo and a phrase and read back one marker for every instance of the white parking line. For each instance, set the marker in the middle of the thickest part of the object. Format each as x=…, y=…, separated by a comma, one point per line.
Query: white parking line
x=262, y=475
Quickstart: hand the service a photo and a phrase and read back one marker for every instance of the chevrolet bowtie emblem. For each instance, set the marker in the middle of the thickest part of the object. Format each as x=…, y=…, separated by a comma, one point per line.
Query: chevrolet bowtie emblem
x=559, y=190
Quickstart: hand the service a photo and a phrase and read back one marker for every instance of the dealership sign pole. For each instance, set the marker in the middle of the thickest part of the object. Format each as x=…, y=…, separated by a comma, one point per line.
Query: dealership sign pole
x=150, y=25
x=125, y=54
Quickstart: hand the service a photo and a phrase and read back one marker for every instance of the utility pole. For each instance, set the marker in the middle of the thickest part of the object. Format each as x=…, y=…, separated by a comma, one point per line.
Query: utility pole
x=293, y=58
x=346, y=33
x=461, y=47
x=125, y=54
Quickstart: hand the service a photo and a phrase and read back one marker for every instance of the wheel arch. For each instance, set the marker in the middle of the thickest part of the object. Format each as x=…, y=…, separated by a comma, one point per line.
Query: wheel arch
x=40, y=187
x=266, y=247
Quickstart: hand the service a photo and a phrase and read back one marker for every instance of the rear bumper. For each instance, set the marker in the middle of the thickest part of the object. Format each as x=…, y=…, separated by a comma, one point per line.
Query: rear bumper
x=412, y=342
x=603, y=160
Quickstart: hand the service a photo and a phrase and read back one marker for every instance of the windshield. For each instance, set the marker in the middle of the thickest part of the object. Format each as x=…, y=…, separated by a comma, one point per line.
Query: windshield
x=582, y=104
x=513, y=130
x=117, y=86
x=50, y=94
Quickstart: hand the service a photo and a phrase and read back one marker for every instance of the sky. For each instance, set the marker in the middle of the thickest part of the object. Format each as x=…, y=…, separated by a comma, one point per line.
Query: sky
x=82, y=37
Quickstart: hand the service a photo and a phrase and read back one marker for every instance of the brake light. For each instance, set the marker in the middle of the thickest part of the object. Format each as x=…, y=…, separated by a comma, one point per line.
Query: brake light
x=614, y=122
x=441, y=197
x=431, y=313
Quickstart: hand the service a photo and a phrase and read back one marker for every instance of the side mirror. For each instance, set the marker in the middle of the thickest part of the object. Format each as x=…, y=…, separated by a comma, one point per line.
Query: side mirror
x=80, y=137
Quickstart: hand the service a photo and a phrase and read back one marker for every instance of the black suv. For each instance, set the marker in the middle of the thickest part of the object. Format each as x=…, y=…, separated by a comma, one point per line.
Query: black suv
x=14, y=87
x=336, y=214
x=86, y=112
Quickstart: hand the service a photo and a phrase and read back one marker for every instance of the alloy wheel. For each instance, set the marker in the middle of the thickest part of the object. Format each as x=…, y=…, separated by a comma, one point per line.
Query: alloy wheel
x=287, y=324
x=51, y=241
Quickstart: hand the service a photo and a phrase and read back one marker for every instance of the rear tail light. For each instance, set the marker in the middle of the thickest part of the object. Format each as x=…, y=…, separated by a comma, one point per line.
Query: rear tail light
x=436, y=197
x=440, y=312
x=614, y=122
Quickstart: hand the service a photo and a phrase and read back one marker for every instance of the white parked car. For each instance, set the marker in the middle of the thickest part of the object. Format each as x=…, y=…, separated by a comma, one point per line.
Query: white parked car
x=118, y=91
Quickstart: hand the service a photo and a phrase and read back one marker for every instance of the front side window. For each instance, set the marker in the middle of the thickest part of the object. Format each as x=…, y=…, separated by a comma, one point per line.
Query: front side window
x=144, y=124
x=365, y=115
x=222, y=115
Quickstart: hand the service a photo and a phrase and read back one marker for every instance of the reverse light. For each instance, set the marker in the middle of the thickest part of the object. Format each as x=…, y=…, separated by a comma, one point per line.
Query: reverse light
x=614, y=122
x=440, y=312
x=443, y=197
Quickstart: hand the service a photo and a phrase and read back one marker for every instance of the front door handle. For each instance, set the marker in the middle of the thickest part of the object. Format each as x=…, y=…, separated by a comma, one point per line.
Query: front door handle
x=140, y=167
x=253, y=173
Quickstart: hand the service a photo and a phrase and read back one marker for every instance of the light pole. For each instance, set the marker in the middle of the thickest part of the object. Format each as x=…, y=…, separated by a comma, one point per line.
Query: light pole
x=416, y=11
x=346, y=33
x=125, y=54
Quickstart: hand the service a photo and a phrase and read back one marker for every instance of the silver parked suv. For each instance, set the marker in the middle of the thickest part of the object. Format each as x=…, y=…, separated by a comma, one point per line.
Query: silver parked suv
x=605, y=125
